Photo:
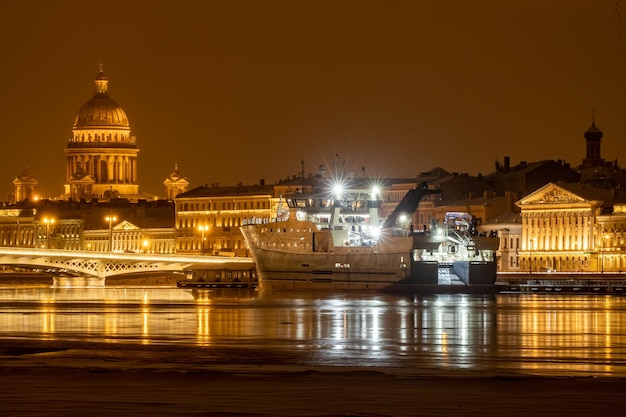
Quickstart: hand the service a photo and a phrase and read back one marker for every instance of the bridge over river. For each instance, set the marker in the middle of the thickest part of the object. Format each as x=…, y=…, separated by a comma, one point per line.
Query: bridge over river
x=90, y=268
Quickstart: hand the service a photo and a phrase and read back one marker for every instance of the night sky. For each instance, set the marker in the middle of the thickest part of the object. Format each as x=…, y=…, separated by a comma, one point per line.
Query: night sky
x=236, y=91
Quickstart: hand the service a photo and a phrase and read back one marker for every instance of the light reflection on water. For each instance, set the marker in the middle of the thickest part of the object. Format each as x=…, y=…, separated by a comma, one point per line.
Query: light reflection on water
x=538, y=334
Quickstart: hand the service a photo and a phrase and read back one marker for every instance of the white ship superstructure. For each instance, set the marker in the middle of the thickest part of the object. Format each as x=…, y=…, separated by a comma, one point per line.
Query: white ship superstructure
x=336, y=240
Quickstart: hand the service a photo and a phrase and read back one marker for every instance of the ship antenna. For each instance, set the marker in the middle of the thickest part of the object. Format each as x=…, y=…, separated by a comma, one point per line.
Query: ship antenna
x=279, y=208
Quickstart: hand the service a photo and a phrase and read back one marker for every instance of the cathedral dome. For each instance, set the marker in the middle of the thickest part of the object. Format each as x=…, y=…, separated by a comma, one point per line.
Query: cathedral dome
x=101, y=111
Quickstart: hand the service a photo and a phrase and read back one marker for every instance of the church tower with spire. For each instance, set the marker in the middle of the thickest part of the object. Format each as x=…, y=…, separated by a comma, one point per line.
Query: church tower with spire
x=102, y=153
x=593, y=137
x=25, y=186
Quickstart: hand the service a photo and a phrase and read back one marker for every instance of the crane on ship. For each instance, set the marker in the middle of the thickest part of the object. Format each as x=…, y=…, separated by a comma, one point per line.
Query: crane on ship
x=409, y=204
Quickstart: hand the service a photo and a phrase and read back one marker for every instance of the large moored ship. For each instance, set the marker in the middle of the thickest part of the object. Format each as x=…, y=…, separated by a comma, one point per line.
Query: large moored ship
x=340, y=244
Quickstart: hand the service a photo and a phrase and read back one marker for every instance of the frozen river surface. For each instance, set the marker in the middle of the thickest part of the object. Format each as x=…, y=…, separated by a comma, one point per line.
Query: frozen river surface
x=504, y=334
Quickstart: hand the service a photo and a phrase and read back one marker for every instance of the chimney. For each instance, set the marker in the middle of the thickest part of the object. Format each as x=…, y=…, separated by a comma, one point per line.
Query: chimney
x=507, y=163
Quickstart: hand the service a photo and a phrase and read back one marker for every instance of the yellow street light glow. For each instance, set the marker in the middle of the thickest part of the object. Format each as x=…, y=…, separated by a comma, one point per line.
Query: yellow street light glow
x=48, y=221
x=202, y=229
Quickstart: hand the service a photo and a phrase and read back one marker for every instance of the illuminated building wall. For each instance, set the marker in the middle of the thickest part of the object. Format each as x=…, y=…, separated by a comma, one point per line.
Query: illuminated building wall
x=125, y=237
x=17, y=228
x=208, y=218
x=31, y=228
x=611, y=240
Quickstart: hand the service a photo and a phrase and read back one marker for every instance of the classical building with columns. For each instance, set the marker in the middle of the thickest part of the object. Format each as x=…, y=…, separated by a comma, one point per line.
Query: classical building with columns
x=563, y=227
x=102, y=153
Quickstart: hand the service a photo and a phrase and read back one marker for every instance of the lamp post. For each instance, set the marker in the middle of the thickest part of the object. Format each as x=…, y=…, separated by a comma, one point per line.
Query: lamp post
x=110, y=219
x=605, y=238
x=202, y=230
x=533, y=244
x=48, y=221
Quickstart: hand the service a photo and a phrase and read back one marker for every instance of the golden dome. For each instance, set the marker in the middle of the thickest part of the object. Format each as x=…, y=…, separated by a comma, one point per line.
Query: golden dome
x=101, y=111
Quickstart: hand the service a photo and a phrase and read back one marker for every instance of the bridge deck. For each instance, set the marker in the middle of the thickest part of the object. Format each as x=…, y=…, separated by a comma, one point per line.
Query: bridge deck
x=104, y=264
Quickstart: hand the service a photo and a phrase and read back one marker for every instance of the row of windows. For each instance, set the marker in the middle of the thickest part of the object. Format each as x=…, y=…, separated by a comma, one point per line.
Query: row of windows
x=510, y=240
x=284, y=230
x=559, y=221
x=209, y=244
x=225, y=205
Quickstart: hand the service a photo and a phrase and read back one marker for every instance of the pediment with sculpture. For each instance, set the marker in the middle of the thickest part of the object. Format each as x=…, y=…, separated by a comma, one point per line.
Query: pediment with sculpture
x=551, y=194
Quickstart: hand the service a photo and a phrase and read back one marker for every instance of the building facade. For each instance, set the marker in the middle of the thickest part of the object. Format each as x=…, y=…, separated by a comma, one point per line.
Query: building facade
x=31, y=227
x=126, y=237
x=611, y=238
x=208, y=217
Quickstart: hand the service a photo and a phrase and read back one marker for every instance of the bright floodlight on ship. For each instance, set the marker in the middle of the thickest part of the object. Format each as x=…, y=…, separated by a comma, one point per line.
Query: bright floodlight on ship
x=375, y=192
x=338, y=190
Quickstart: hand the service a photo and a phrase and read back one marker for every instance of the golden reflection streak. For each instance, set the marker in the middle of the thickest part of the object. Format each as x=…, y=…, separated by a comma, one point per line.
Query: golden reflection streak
x=204, y=328
x=48, y=320
x=564, y=330
x=145, y=330
x=110, y=324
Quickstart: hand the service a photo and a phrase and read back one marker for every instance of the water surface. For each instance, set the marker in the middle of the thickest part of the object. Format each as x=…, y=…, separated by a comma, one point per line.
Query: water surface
x=552, y=334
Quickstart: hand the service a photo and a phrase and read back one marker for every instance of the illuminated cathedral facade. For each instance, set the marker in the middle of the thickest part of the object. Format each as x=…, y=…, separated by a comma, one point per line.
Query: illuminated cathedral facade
x=102, y=153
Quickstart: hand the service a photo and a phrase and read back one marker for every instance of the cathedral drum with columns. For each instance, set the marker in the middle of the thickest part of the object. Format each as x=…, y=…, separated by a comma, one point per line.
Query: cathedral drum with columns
x=101, y=153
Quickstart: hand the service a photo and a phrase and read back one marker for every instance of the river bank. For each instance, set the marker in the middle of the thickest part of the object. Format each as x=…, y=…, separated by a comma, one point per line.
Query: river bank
x=58, y=378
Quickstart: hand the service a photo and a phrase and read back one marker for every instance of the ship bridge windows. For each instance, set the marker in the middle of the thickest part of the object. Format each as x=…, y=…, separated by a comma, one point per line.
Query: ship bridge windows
x=300, y=202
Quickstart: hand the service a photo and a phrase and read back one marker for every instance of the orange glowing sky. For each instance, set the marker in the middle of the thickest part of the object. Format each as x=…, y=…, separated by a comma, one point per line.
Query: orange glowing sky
x=235, y=91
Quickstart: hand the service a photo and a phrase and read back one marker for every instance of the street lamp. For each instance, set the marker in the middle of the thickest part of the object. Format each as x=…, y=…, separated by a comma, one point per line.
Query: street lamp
x=110, y=219
x=403, y=222
x=202, y=230
x=48, y=221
